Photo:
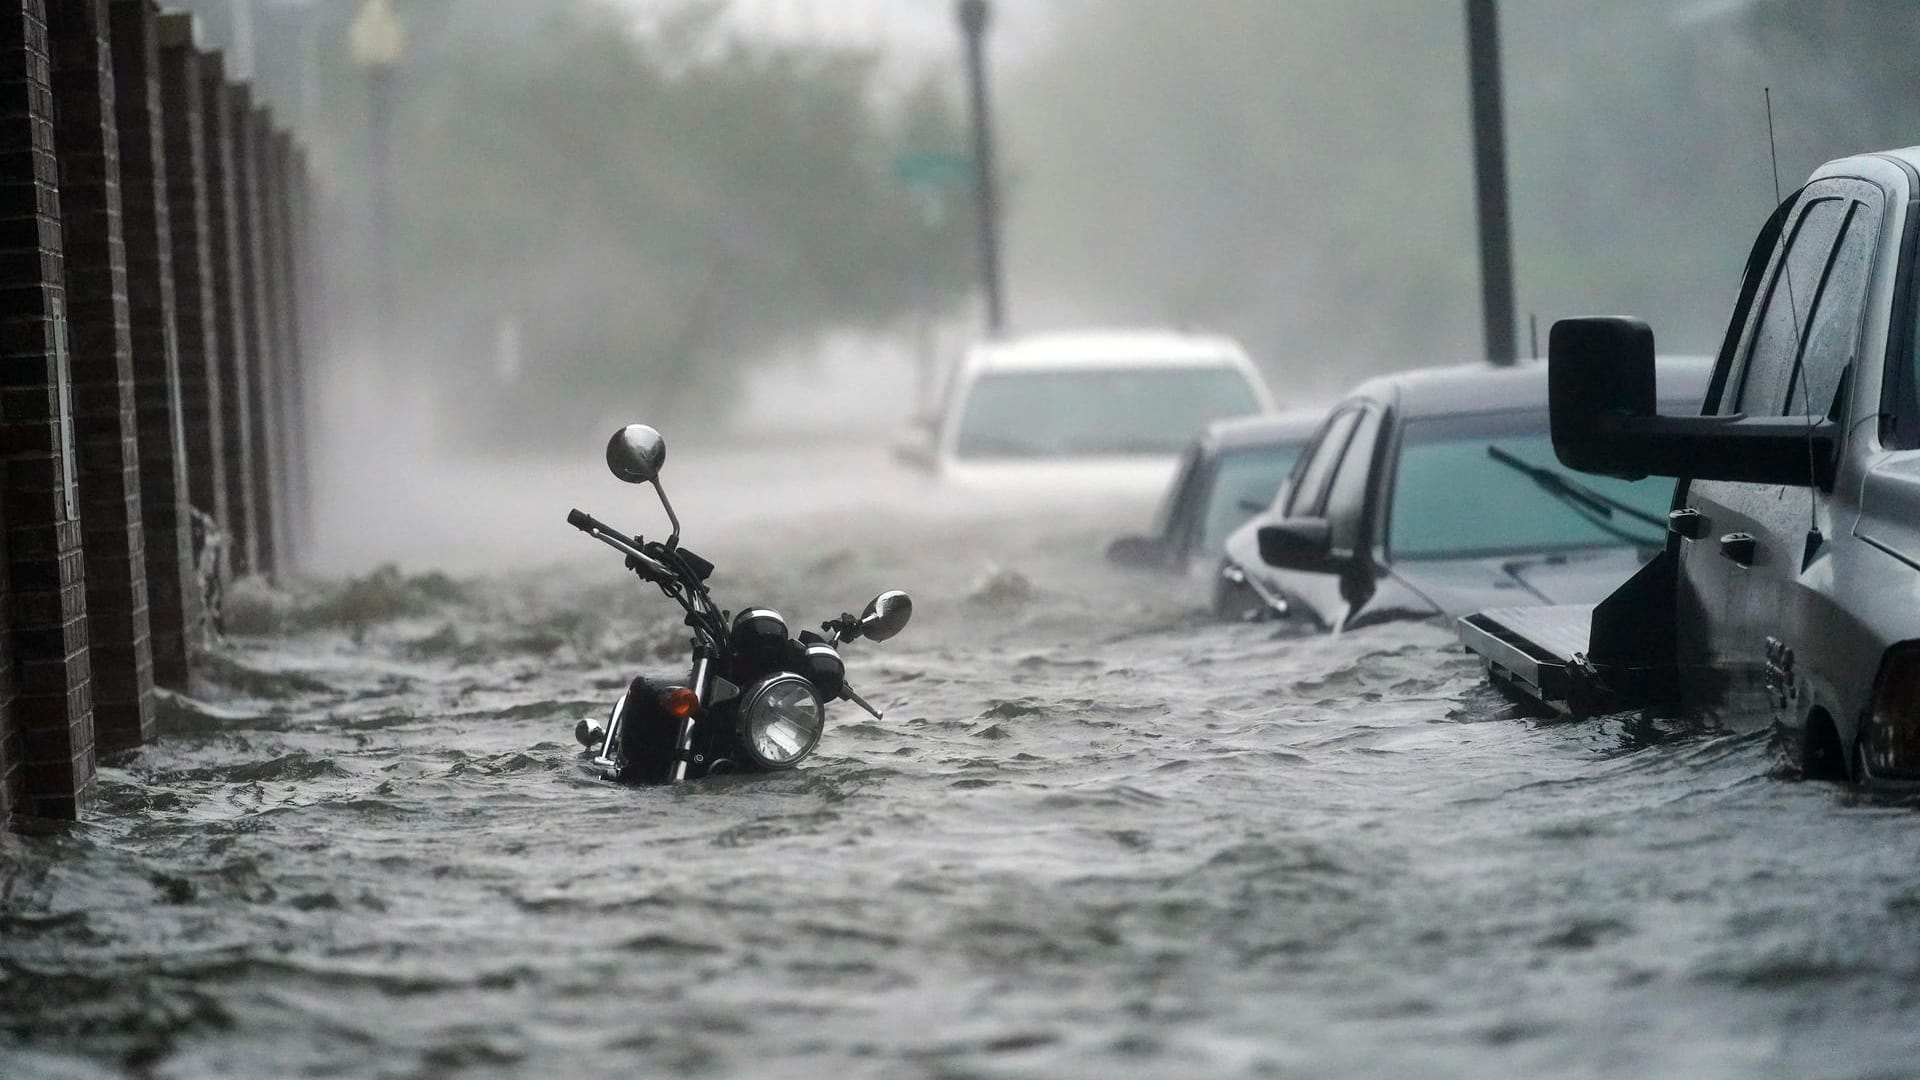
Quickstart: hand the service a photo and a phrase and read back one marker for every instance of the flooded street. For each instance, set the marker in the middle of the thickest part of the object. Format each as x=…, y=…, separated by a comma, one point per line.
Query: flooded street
x=1094, y=836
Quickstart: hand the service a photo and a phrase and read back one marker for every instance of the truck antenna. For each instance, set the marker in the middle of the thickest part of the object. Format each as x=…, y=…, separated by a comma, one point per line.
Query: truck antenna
x=1773, y=151
x=1798, y=378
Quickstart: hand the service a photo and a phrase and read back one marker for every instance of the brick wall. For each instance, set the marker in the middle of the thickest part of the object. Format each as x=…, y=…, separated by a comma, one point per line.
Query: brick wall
x=279, y=300
x=256, y=325
x=309, y=341
x=198, y=339
x=173, y=597
x=87, y=144
x=229, y=313
x=293, y=353
x=46, y=747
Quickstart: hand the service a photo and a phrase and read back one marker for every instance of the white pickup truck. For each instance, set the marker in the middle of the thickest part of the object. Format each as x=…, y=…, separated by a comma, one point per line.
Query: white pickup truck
x=1788, y=595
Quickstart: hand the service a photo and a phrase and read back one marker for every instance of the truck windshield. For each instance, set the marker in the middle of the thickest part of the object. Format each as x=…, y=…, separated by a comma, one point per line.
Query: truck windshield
x=1244, y=482
x=1031, y=414
x=1454, y=500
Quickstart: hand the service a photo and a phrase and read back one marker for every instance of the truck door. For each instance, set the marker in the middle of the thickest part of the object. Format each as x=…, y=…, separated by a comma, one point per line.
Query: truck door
x=1739, y=574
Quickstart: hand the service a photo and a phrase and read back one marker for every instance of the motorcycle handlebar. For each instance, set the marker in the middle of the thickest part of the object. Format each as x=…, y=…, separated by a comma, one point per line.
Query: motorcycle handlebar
x=639, y=561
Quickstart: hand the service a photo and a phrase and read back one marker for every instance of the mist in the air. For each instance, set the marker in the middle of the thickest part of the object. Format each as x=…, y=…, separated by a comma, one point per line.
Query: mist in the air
x=694, y=213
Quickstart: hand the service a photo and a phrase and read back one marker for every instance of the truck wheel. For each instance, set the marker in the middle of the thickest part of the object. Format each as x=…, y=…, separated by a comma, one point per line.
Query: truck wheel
x=1821, y=754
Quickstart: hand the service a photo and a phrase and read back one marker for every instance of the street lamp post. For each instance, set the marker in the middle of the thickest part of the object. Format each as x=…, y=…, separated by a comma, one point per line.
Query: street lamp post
x=377, y=40
x=974, y=15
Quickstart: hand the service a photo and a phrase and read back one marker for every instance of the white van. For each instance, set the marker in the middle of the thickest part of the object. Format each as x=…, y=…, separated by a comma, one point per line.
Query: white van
x=1093, y=415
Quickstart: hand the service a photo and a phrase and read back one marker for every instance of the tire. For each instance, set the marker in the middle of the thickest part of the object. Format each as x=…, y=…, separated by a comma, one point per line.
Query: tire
x=1821, y=755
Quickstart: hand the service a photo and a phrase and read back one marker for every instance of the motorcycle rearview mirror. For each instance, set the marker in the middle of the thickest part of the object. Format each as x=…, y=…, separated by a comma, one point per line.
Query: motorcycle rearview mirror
x=636, y=454
x=886, y=615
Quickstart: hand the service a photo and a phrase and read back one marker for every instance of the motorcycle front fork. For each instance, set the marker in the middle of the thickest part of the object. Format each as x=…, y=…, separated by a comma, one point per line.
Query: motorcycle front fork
x=688, y=727
x=702, y=687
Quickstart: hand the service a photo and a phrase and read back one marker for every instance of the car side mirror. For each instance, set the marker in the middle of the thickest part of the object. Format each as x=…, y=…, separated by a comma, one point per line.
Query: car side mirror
x=1602, y=401
x=1139, y=553
x=1300, y=543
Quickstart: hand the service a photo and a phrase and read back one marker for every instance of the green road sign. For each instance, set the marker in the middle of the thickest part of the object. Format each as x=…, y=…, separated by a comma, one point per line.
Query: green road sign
x=933, y=169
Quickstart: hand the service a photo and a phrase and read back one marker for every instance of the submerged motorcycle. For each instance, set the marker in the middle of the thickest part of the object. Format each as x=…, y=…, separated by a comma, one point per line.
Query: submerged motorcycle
x=755, y=698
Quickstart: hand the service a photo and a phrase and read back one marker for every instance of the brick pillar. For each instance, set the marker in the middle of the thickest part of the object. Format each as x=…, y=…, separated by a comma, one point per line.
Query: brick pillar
x=48, y=747
x=198, y=338
x=88, y=148
x=279, y=293
x=173, y=594
x=228, y=313
x=256, y=322
x=309, y=340
x=12, y=739
x=294, y=353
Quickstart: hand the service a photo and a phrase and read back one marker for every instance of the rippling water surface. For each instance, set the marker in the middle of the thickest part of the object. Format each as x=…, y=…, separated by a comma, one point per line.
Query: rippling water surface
x=1094, y=836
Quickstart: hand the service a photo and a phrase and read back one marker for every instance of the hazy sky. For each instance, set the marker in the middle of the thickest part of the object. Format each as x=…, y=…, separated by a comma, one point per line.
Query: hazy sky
x=911, y=32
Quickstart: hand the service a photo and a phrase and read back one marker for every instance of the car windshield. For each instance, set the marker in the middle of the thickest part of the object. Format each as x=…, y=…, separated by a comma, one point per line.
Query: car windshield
x=1029, y=414
x=1453, y=499
x=1244, y=482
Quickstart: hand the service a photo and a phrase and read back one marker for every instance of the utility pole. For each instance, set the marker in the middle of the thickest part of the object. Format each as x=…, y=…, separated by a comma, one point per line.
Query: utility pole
x=1490, y=181
x=974, y=16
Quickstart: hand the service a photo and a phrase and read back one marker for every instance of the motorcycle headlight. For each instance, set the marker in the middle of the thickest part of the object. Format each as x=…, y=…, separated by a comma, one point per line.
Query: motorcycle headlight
x=781, y=718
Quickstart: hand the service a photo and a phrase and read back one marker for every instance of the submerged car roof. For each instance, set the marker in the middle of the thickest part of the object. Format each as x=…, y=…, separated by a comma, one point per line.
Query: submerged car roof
x=1481, y=388
x=1106, y=349
x=1267, y=429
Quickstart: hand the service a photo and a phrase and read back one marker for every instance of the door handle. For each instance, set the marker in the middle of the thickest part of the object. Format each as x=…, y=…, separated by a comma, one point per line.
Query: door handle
x=1739, y=547
x=1687, y=522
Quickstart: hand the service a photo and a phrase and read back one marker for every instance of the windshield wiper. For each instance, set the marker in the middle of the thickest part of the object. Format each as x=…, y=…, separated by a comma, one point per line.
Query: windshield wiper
x=1597, y=507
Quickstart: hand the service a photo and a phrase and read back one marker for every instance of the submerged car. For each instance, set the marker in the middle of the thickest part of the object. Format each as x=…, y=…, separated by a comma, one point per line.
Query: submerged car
x=1787, y=598
x=1435, y=493
x=1227, y=475
x=1085, y=415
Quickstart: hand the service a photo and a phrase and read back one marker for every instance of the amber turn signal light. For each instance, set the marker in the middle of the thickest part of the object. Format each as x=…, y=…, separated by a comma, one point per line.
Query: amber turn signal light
x=680, y=702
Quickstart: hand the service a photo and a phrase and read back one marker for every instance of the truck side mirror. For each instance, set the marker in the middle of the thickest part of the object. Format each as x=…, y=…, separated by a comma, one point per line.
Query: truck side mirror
x=1603, y=404
x=1598, y=368
x=1300, y=543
